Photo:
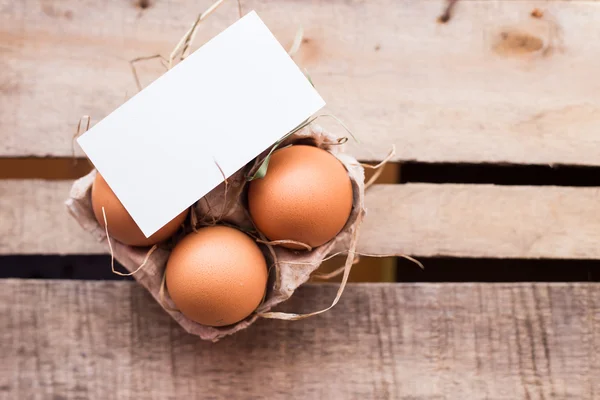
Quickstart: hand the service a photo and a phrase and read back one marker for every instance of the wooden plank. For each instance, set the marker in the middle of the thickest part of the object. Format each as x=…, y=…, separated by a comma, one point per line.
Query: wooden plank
x=34, y=220
x=82, y=339
x=465, y=91
x=483, y=221
x=415, y=219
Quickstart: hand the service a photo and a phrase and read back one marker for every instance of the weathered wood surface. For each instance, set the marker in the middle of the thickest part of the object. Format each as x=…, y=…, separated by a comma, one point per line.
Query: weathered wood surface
x=101, y=340
x=483, y=221
x=415, y=219
x=493, y=84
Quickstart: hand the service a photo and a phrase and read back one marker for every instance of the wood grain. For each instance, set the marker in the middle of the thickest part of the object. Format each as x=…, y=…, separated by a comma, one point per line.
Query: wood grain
x=34, y=220
x=483, y=221
x=415, y=219
x=477, y=89
x=80, y=340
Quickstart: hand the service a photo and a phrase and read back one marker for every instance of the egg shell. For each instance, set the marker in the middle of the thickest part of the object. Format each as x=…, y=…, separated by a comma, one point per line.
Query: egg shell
x=121, y=226
x=305, y=196
x=216, y=276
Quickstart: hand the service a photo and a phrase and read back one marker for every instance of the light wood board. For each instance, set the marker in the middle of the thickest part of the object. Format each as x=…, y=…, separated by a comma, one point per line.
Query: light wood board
x=491, y=85
x=414, y=219
x=107, y=340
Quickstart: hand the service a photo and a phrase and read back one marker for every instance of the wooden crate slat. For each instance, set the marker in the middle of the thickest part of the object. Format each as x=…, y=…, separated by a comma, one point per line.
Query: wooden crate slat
x=466, y=91
x=35, y=220
x=110, y=340
x=483, y=221
x=416, y=219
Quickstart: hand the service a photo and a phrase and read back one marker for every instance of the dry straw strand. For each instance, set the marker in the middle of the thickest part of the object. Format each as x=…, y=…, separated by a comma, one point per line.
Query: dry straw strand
x=414, y=260
x=379, y=167
x=148, y=254
x=336, y=272
x=178, y=48
x=265, y=241
x=296, y=43
x=339, y=121
x=78, y=133
x=262, y=301
x=193, y=218
x=356, y=253
x=329, y=275
x=162, y=291
x=226, y=181
x=387, y=158
x=307, y=75
x=112, y=254
x=347, y=269
x=145, y=58
x=273, y=255
x=194, y=29
x=210, y=207
x=264, y=165
x=340, y=141
x=285, y=241
x=240, y=11
x=186, y=41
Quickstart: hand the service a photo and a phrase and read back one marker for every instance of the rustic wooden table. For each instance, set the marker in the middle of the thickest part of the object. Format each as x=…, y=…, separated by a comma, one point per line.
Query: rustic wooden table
x=492, y=85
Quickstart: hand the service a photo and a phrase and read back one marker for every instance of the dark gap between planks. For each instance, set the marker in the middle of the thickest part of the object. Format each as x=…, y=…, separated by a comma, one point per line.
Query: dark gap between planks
x=66, y=168
x=500, y=174
x=55, y=168
x=448, y=269
x=97, y=267
x=84, y=267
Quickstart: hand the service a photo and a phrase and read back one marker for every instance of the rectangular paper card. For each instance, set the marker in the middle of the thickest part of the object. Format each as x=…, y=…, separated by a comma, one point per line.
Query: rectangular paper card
x=225, y=104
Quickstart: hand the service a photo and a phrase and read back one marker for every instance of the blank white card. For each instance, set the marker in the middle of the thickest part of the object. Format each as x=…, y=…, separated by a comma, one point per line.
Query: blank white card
x=225, y=104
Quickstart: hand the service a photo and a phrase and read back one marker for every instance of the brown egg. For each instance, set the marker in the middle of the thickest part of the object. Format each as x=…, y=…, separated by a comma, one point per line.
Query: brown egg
x=216, y=276
x=121, y=226
x=306, y=196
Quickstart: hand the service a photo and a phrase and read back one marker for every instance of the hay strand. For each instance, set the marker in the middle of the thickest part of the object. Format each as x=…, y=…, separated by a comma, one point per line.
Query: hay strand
x=296, y=43
x=356, y=253
x=146, y=258
x=340, y=141
x=285, y=241
x=262, y=169
x=226, y=181
x=378, y=168
x=187, y=40
x=347, y=269
x=161, y=293
x=339, y=121
x=145, y=58
x=329, y=275
x=336, y=272
x=414, y=260
x=307, y=75
x=264, y=166
x=193, y=218
x=387, y=158
x=79, y=132
x=240, y=11
x=112, y=254
x=265, y=241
